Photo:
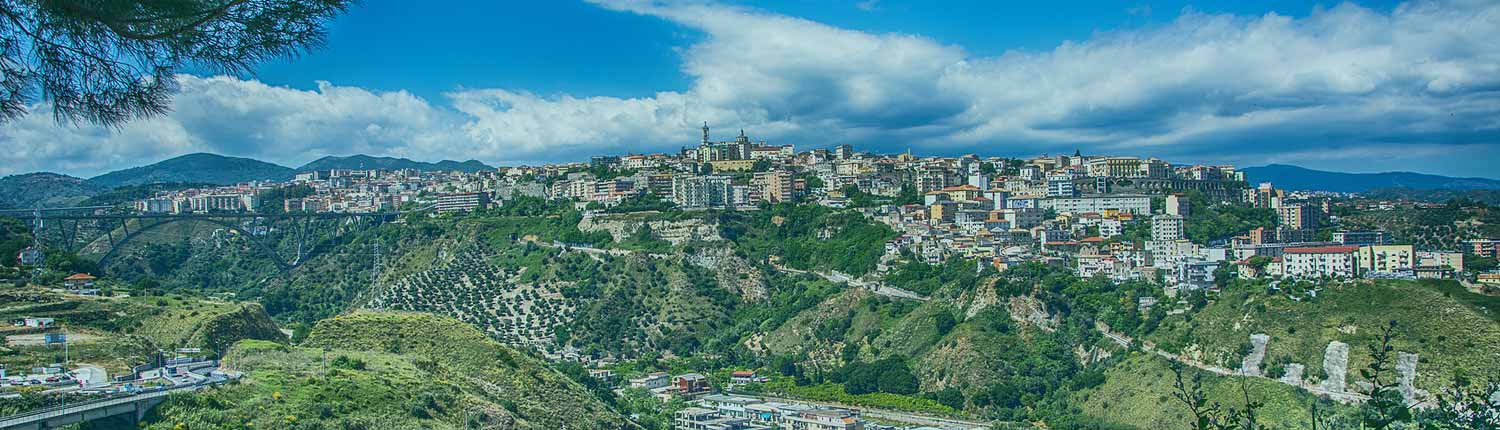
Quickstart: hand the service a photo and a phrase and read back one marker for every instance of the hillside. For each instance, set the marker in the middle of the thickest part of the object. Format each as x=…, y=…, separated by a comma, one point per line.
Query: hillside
x=1136, y=393
x=1298, y=178
x=44, y=189
x=1451, y=329
x=389, y=371
x=196, y=168
x=363, y=162
x=696, y=292
x=483, y=373
x=118, y=333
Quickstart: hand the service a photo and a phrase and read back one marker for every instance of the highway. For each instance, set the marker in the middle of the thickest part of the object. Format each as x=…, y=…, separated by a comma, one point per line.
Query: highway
x=885, y=415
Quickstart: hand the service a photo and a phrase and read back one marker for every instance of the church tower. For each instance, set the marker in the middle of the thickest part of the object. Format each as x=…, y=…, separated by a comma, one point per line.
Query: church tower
x=705, y=132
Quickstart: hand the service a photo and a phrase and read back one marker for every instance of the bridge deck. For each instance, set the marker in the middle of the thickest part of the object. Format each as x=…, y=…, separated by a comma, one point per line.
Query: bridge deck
x=52, y=413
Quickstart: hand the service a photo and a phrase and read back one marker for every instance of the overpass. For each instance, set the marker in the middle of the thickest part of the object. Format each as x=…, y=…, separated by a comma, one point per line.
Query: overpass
x=129, y=407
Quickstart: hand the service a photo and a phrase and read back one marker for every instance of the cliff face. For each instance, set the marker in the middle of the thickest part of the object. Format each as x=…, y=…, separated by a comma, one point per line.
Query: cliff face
x=677, y=232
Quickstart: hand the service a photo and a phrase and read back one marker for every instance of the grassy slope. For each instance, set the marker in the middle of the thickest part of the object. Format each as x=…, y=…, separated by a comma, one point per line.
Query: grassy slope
x=118, y=333
x=538, y=396
x=1137, y=392
x=1449, y=327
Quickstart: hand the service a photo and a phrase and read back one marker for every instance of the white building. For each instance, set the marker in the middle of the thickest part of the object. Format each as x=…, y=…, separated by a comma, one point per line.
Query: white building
x=1135, y=204
x=1322, y=261
x=1166, y=228
x=698, y=192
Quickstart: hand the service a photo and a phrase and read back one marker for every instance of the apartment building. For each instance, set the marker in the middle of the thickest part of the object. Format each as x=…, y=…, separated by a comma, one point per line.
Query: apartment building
x=1134, y=204
x=1360, y=238
x=464, y=202
x=1321, y=261
x=1386, y=258
x=1166, y=228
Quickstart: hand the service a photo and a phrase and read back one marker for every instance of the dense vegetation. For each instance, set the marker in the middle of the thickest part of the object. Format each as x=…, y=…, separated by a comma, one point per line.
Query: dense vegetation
x=808, y=237
x=1443, y=227
x=14, y=237
x=33, y=190
x=389, y=371
x=1211, y=221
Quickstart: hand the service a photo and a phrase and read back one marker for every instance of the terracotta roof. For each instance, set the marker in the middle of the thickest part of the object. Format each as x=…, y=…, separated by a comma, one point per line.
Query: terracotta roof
x=1093, y=239
x=964, y=187
x=1322, y=250
x=80, y=277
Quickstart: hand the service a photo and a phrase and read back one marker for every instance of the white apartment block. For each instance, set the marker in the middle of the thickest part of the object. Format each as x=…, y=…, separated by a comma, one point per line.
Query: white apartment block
x=1166, y=228
x=1135, y=204
x=1321, y=262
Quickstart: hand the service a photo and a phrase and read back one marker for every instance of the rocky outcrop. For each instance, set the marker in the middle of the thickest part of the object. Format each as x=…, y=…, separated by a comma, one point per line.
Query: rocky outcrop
x=1293, y=375
x=1406, y=377
x=731, y=271
x=1336, y=365
x=1251, y=365
x=675, y=231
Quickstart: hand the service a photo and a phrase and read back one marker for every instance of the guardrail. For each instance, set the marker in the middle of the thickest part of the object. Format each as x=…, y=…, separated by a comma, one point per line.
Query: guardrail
x=89, y=405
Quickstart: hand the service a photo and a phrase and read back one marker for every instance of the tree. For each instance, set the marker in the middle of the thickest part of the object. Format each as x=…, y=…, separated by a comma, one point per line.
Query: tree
x=1386, y=405
x=111, y=61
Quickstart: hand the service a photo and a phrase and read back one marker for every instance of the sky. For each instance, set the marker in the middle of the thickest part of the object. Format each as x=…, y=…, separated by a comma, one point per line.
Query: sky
x=1357, y=87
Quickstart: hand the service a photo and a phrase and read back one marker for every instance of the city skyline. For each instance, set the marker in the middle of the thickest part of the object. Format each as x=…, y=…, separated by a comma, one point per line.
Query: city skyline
x=1347, y=88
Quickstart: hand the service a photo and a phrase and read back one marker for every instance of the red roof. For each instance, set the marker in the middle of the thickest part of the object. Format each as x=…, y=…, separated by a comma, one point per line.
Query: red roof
x=964, y=187
x=80, y=277
x=1093, y=239
x=1323, y=250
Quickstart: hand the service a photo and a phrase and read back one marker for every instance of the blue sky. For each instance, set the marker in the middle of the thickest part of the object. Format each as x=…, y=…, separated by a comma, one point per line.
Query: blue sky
x=1368, y=86
x=577, y=48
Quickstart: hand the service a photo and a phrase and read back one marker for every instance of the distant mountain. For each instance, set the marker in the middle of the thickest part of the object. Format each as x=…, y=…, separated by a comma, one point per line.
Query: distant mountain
x=197, y=168
x=390, y=163
x=1298, y=178
x=44, y=189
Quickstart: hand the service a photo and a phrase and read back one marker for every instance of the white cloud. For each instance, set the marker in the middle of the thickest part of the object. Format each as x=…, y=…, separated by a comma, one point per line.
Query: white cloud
x=1342, y=82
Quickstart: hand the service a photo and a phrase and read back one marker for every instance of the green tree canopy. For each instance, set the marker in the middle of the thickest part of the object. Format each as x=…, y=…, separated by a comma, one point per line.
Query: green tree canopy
x=111, y=61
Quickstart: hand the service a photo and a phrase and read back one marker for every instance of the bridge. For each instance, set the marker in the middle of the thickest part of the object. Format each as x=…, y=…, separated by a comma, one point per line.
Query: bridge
x=62, y=227
x=131, y=407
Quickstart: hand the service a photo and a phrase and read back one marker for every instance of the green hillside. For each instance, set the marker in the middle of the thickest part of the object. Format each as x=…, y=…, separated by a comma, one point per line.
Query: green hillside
x=119, y=333
x=1137, y=393
x=1451, y=329
x=198, y=167
x=44, y=189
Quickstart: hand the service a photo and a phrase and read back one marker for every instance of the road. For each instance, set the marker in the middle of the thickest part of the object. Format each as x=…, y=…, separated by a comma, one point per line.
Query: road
x=840, y=278
x=885, y=415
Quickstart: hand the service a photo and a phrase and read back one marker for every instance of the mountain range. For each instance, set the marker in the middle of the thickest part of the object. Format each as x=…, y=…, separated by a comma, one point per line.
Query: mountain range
x=362, y=161
x=199, y=167
x=46, y=189
x=43, y=189
x=1300, y=178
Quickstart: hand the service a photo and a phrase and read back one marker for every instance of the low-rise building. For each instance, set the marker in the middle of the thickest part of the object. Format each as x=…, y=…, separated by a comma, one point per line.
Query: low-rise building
x=1321, y=262
x=651, y=381
x=1386, y=258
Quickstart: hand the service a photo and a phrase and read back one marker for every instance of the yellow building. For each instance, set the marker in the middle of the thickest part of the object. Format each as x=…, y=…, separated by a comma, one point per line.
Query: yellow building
x=733, y=165
x=1386, y=258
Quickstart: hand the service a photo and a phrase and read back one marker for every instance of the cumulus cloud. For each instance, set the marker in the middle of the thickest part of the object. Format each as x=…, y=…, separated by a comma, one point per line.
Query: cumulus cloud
x=1339, y=87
